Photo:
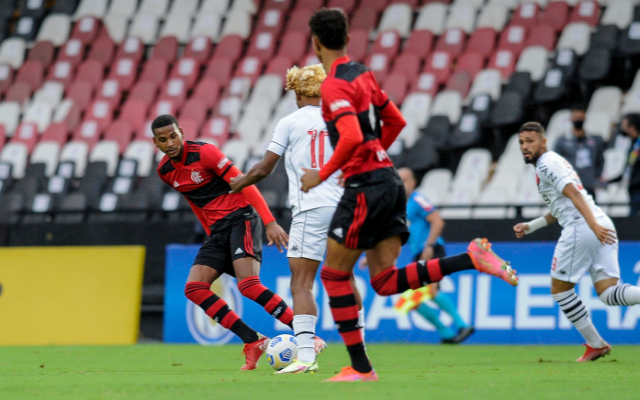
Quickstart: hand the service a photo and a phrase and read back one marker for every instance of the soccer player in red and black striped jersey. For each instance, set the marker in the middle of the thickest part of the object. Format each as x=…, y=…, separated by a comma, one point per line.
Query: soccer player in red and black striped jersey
x=201, y=173
x=371, y=215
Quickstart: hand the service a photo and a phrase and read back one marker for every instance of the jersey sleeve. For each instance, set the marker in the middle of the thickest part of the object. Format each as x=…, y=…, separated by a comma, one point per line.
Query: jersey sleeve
x=280, y=138
x=339, y=99
x=214, y=160
x=555, y=173
x=424, y=206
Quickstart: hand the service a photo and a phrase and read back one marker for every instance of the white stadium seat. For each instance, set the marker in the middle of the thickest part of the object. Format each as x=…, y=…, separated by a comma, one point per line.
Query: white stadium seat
x=117, y=26
x=46, y=153
x=12, y=52
x=15, y=154
x=575, y=36
x=397, y=17
x=268, y=88
x=461, y=17
x=55, y=29
x=631, y=102
x=432, y=17
x=559, y=125
x=145, y=27
x=247, y=6
x=157, y=8
x=141, y=151
x=416, y=107
x=615, y=162
x=598, y=123
x=618, y=13
x=449, y=104
x=491, y=197
x=230, y=107
x=533, y=60
x=122, y=8
x=435, y=185
x=607, y=99
x=410, y=133
x=458, y=197
x=207, y=24
x=76, y=152
x=487, y=81
x=40, y=114
x=219, y=7
x=107, y=151
x=474, y=160
x=493, y=16
x=9, y=116
x=238, y=22
x=510, y=4
x=51, y=93
x=184, y=7
x=286, y=105
x=237, y=151
x=91, y=8
x=177, y=25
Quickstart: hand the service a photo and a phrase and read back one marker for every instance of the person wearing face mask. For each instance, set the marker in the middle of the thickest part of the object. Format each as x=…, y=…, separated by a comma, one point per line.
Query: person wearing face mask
x=584, y=152
x=631, y=127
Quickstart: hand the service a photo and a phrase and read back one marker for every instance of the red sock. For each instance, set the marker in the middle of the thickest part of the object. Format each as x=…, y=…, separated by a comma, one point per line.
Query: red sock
x=252, y=289
x=415, y=275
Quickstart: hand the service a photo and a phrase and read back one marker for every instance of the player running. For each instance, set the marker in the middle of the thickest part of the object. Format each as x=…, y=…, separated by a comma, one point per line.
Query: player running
x=588, y=241
x=371, y=214
x=201, y=173
x=302, y=137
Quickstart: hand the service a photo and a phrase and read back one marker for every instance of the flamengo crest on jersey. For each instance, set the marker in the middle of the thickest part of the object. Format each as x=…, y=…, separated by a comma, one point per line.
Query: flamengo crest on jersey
x=553, y=173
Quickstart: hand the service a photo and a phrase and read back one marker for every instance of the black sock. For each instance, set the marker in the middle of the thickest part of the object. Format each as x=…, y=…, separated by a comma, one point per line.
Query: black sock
x=359, y=360
x=461, y=262
x=244, y=332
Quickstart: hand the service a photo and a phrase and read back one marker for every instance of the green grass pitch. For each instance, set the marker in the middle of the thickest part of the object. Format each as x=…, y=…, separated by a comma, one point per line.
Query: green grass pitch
x=186, y=372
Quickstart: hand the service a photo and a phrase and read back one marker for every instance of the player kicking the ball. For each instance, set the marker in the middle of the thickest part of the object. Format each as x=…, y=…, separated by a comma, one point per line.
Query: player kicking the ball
x=201, y=173
x=302, y=137
x=371, y=214
x=588, y=241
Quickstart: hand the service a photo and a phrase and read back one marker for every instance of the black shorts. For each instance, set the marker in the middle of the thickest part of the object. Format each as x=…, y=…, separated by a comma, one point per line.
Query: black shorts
x=372, y=208
x=238, y=235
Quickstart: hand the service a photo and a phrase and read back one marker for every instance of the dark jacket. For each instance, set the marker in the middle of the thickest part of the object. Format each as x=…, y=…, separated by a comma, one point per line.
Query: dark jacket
x=634, y=177
x=586, y=155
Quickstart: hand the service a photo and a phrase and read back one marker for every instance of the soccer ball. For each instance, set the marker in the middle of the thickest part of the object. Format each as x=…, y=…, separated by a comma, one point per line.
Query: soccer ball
x=282, y=351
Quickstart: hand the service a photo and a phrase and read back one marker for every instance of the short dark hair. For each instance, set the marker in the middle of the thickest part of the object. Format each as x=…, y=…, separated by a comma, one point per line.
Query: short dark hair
x=532, y=127
x=578, y=107
x=331, y=28
x=162, y=121
x=633, y=119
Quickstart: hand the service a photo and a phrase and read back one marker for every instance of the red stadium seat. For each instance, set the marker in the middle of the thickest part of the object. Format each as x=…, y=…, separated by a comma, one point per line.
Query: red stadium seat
x=460, y=82
x=408, y=64
x=555, y=15
x=412, y=3
x=379, y=64
x=19, y=92
x=513, y=38
x=32, y=71
x=526, y=15
x=175, y=90
x=299, y=20
x=56, y=132
x=376, y=5
x=283, y=5
x=220, y=69
x=186, y=69
x=6, y=78
x=199, y=48
x=293, y=45
x=166, y=48
x=470, y=62
x=125, y=71
x=144, y=90
x=143, y=132
x=194, y=109
x=72, y=117
x=132, y=48
x=439, y=64
x=309, y=5
x=72, y=51
x=207, y=90
x=92, y=72
x=586, y=11
x=217, y=128
x=279, y=66
x=420, y=43
x=88, y=131
x=542, y=35
x=42, y=51
x=365, y=18
x=270, y=20
x=483, y=41
x=249, y=67
x=163, y=106
x=452, y=41
x=81, y=92
x=358, y=45
x=61, y=71
x=111, y=92
x=229, y=47
x=100, y=111
x=134, y=111
x=190, y=128
x=396, y=87
x=155, y=71
x=311, y=59
x=102, y=50
x=86, y=29
x=504, y=61
x=387, y=42
x=26, y=133
x=262, y=46
x=345, y=5
x=120, y=132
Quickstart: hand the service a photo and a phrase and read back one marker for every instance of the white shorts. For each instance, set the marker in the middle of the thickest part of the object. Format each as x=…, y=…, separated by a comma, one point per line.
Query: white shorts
x=579, y=251
x=308, y=234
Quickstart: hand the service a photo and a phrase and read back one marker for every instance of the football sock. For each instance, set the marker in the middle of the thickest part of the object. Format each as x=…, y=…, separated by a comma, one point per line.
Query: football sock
x=361, y=322
x=577, y=313
x=304, y=328
x=432, y=316
x=218, y=309
x=417, y=274
x=252, y=289
x=345, y=314
x=444, y=302
x=621, y=295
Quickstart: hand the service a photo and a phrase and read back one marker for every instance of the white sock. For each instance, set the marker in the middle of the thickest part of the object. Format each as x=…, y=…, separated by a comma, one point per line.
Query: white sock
x=304, y=328
x=621, y=295
x=577, y=313
x=361, y=322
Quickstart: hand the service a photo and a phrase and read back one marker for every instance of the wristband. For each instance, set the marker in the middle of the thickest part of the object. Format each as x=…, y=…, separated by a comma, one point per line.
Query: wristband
x=535, y=224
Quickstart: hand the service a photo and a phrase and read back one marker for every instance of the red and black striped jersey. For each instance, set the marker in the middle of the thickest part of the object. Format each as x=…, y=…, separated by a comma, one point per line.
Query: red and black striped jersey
x=351, y=89
x=199, y=177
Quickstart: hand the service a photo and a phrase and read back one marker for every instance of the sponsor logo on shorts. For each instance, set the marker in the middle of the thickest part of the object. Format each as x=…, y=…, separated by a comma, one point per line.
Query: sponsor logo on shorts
x=338, y=232
x=338, y=104
x=562, y=272
x=294, y=248
x=239, y=251
x=223, y=162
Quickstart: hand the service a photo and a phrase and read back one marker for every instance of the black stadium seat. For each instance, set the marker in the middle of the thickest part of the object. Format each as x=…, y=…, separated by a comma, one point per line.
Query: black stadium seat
x=466, y=133
x=595, y=65
x=481, y=106
x=11, y=204
x=64, y=6
x=26, y=28
x=605, y=37
x=552, y=87
x=422, y=156
x=508, y=110
x=520, y=82
x=437, y=130
x=71, y=209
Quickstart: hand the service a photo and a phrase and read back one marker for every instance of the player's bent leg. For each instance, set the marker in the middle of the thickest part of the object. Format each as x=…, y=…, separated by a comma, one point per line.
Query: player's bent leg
x=246, y=270
x=487, y=261
x=356, y=292
x=303, y=273
x=613, y=294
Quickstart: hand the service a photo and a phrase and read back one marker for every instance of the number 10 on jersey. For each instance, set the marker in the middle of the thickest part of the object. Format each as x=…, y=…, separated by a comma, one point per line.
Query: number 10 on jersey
x=317, y=145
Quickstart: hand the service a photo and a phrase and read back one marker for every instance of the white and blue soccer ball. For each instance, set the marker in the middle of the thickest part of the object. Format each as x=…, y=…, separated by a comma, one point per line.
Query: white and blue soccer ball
x=282, y=351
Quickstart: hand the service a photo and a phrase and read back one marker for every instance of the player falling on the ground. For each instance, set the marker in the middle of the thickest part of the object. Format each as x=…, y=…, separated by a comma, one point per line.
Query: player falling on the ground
x=201, y=173
x=302, y=137
x=371, y=214
x=588, y=241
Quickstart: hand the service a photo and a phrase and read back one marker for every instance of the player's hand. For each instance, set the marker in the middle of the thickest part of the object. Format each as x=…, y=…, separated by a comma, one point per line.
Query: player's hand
x=427, y=253
x=362, y=264
x=236, y=184
x=604, y=235
x=277, y=235
x=310, y=179
x=520, y=229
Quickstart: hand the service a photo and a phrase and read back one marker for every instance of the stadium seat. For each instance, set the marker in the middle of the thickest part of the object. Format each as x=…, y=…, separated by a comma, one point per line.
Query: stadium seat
x=15, y=154
x=513, y=39
x=19, y=92
x=122, y=8
x=376, y=5
x=6, y=78
x=379, y=64
x=26, y=28
x=556, y=15
x=12, y=52
x=432, y=17
x=542, y=35
x=494, y=17
x=237, y=23
x=576, y=37
x=216, y=128
x=262, y=46
x=471, y=63
x=184, y=7
x=207, y=90
x=503, y=61
x=559, y=125
x=86, y=29
x=481, y=105
x=103, y=50
x=124, y=70
x=358, y=45
x=144, y=27
x=142, y=153
x=27, y=134
x=449, y=104
x=72, y=52
x=416, y=107
x=81, y=93
x=39, y=114
x=92, y=72
x=618, y=13
x=69, y=112
x=364, y=18
x=526, y=15
x=567, y=61
x=196, y=110
x=508, y=110
x=487, y=81
x=236, y=150
x=177, y=26
x=533, y=60
x=50, y=93
x=605, y=37
x=397, y=17
x=491, y=197
x=615, y=162
x=452, y=41
x=65, y=6
x=120, y=134
x=76, y=152
x=163, y=106
x=207, y=24
x=595, y=65
x=462, y=17
x=439, y=64
x=199, y=48
x=483, y=41
x=55, y=132
x=92, y=8
x=55, y=29
x=157, y=8
x=422, y=155
x=187, y=70
x=629, y=41
x=435, y=185
x=115, y=28
x=219, y=7
x=387, y=42
x=299, y=20
x=46, y=153
x=292, y=46
x=466, y=133
x=230, y=47
x=459, y=82
x=111, y=92
x=607, y=99
x=395, y=85
x=249, y=67
x=586, y=11
x=247, y=6
x=408, y=65
x=32, y=72
x=598, y=123
x=270, y=20
x=420, y=43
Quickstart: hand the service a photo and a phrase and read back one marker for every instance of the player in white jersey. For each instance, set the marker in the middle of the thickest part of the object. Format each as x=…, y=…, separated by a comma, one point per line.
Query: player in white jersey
x=588, y=241
x=302, y=138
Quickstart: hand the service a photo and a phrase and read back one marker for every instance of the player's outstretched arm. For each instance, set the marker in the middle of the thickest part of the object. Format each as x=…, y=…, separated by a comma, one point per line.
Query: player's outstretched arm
x=525, y=228
x=257, y=173
x=605, y=235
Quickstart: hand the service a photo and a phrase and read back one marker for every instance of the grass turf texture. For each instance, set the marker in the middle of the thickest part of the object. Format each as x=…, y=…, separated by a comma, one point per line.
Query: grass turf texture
x=406, y=372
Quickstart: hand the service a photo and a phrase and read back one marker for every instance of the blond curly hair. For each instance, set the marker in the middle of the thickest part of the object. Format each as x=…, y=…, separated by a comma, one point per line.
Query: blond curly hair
x=306, y=80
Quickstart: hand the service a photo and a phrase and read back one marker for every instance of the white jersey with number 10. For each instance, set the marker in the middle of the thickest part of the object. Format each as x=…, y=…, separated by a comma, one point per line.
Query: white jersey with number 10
x=303, y=139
